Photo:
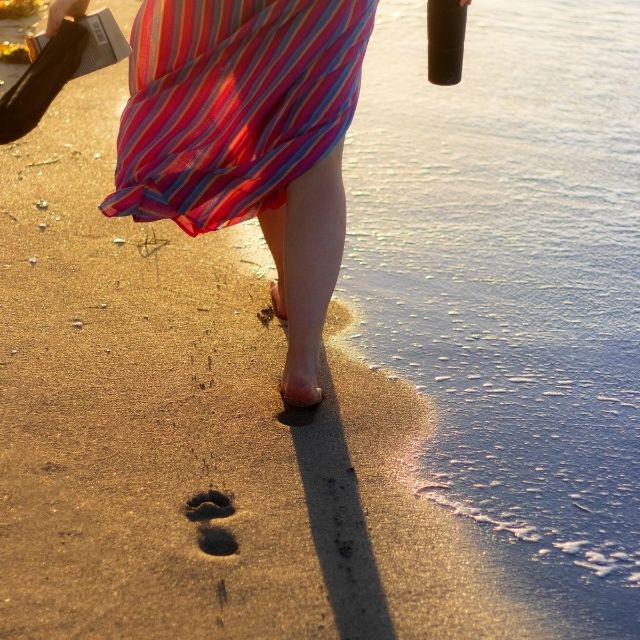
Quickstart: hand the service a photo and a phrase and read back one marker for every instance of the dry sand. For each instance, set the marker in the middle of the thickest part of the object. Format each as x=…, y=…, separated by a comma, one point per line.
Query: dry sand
x=167, y=389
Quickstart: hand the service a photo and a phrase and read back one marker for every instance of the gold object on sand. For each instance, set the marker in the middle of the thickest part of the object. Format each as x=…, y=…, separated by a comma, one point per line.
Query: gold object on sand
x=18, y=8
x=15, y=53
x=10, y=52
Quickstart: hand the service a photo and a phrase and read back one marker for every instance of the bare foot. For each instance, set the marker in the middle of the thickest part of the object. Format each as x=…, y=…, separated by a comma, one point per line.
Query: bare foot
x=277, y=298
x=301, y=394
x=300, y=389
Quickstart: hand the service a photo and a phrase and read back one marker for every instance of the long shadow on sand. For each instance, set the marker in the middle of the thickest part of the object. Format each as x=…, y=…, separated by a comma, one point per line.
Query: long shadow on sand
x=338, y=522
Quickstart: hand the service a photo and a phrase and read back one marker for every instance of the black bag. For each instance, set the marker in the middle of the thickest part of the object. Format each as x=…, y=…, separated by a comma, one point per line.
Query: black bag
x=22, y=107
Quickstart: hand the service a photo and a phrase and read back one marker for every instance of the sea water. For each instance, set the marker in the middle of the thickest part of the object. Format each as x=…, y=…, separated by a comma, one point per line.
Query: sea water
x=493, y=246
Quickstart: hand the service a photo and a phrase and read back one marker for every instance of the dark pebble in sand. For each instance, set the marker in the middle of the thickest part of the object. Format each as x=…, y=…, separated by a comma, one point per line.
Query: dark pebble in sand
x=52, y=467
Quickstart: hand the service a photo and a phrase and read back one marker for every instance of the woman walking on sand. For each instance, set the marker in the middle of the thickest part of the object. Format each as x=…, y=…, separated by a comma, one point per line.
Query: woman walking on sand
x=238, y=109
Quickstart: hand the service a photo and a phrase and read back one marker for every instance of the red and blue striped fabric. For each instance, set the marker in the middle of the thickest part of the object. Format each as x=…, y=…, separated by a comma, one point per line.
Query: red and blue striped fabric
x=230, y=101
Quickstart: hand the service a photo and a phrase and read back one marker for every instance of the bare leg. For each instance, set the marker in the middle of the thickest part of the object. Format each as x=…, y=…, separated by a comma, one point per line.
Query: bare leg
x=313, y=247
x=272, y=222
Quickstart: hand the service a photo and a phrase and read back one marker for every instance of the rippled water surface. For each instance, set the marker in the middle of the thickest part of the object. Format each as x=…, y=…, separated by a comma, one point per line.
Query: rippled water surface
x=494, y=248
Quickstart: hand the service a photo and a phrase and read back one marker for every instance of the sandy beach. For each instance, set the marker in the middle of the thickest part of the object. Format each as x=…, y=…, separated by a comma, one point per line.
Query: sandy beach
x=138, y=369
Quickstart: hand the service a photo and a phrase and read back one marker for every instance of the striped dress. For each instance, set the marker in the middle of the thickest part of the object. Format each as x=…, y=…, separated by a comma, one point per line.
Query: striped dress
x=230, y=101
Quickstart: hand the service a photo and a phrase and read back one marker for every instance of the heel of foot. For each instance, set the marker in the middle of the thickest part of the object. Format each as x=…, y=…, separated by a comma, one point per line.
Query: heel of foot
x=301, y=398
x=274, y=302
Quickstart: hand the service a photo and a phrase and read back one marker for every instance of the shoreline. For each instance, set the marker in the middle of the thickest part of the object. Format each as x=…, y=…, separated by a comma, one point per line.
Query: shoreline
x=167, y=388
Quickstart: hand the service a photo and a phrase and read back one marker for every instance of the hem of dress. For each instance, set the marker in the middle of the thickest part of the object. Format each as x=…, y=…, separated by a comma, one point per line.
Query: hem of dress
x=145, y=203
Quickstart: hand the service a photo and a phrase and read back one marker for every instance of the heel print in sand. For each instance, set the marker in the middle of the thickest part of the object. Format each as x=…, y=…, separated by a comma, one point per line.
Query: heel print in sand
x=214, y=541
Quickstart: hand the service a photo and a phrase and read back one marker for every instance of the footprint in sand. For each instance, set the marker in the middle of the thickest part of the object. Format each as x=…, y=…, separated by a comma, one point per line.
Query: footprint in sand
x=208, y=505
x=214, y=541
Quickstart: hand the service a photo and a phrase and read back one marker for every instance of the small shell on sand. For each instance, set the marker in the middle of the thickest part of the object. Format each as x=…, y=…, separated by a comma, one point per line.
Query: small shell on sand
x=33, y=260
x=119, y=241
x=77, y=324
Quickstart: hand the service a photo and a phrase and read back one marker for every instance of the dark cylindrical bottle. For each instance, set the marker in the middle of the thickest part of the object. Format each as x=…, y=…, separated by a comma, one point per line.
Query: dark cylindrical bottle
x=447, y=22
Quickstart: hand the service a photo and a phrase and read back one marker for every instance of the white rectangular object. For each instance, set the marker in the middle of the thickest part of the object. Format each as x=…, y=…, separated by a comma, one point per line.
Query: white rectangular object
x=107, y=44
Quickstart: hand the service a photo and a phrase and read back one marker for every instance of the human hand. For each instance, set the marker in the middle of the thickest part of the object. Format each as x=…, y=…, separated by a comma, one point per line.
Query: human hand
x=462, y=3
x=58, y=9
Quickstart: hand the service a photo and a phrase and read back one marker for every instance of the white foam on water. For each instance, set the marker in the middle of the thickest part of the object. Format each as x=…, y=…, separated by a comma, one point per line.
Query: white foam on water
x=571, y=547
x=600, y=563
x=518, y=529
x=598, y=570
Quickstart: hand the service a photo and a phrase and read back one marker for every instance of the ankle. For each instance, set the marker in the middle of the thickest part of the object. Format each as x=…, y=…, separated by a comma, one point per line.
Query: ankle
x=302, y=363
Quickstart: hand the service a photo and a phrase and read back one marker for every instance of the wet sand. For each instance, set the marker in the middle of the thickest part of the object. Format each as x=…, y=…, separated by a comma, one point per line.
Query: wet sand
x=136, y=375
